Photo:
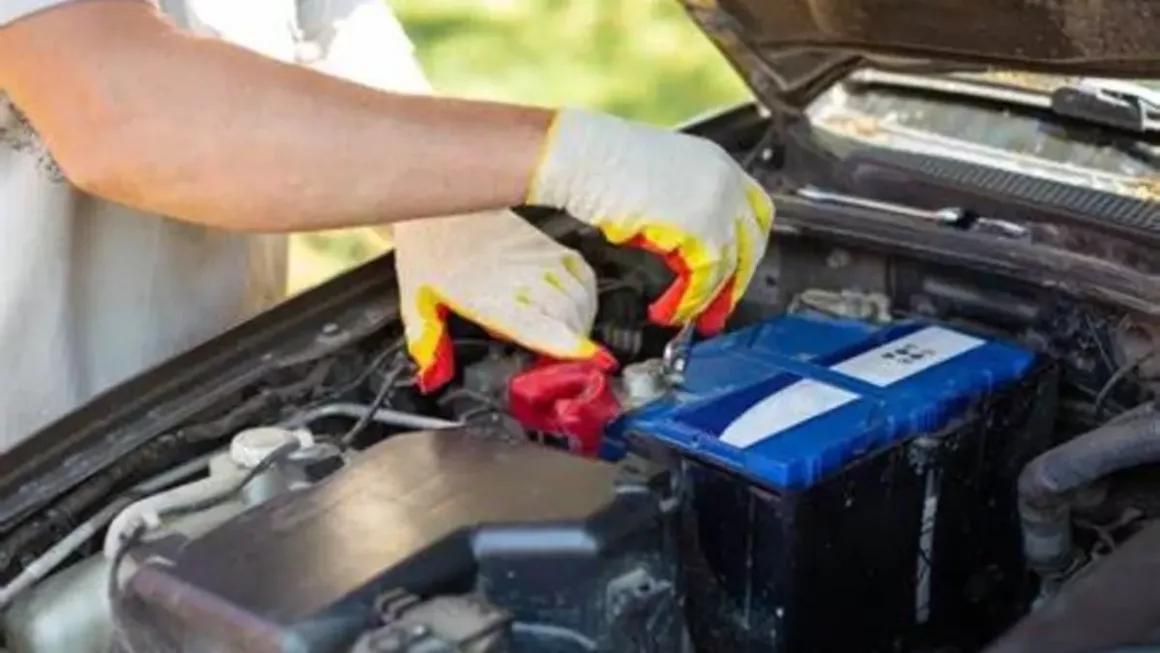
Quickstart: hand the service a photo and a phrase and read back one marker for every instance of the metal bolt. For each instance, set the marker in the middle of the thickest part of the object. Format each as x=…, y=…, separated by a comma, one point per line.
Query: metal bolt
x=838, y=258
x=644, y=381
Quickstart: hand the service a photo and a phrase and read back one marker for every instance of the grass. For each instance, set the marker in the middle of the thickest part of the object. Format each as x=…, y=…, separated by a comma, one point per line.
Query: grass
x=641, y=59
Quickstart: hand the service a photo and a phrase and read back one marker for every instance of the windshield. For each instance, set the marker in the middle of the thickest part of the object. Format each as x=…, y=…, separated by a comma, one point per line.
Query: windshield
x=993, y=132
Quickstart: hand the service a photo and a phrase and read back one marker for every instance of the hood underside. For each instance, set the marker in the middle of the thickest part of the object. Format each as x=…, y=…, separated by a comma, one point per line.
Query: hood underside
x=786, y=48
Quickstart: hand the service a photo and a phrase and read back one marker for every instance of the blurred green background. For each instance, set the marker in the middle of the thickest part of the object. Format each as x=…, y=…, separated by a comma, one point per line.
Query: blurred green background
x=640, y=59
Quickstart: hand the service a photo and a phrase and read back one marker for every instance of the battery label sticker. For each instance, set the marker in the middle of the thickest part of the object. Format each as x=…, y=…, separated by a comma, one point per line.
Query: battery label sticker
x=785, y=409
x=882, y=366
x=907, y=356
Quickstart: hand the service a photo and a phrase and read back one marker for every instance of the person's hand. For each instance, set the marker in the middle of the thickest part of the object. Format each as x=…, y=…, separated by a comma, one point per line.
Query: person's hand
x=501, y=273
x=676, y=195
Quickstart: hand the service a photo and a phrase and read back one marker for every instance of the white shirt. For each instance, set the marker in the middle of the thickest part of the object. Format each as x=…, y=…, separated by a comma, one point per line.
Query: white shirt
x=92, y=293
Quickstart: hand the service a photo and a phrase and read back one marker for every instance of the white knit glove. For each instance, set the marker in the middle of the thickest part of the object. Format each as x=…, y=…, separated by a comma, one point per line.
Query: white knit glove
x=493, y=269
x=501, y=273
x=676, y=195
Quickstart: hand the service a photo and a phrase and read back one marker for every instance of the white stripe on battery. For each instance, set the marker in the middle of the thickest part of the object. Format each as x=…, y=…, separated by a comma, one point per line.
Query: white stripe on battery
x=882, y=366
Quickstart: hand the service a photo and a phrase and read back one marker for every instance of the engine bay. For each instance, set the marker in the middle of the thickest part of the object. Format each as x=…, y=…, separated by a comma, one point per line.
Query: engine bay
x=883, y=452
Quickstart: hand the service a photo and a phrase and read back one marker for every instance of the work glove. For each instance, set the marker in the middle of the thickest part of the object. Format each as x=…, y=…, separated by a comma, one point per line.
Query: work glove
x=681, y=197
x=501, y=273
x=493, y=269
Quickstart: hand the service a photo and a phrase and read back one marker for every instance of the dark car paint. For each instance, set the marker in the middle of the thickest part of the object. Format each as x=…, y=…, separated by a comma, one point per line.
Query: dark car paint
x=790, y=50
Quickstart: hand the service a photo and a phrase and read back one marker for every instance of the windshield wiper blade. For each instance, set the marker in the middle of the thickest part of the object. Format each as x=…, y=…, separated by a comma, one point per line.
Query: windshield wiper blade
x=1112, y=103
x=1120, y=104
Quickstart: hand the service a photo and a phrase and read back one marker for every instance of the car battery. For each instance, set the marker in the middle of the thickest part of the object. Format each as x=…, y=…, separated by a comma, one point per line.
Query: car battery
x=850, y=486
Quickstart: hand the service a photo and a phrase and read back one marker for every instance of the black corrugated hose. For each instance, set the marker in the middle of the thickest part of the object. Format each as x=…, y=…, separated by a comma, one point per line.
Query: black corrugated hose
x=1048, y=482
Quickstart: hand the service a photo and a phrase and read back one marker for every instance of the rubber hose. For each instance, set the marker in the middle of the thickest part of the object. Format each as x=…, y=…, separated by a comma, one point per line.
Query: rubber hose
x=1047, y=482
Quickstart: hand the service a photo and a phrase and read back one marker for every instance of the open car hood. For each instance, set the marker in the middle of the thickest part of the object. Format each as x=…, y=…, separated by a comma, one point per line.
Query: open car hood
x=789, y=50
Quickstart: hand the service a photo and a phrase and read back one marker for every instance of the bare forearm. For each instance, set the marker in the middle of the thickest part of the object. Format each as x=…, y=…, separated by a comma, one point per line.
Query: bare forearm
x=203, y=131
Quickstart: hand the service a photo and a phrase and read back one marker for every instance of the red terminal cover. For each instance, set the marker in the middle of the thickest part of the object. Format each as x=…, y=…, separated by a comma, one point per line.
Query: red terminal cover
x=571, y=399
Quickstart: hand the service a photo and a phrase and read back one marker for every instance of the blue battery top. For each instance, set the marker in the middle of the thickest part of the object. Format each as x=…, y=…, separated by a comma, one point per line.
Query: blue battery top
x=790, y=400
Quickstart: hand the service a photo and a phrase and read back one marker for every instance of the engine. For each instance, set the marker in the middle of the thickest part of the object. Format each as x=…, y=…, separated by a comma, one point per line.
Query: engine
x=881, y=454
x=807, y=471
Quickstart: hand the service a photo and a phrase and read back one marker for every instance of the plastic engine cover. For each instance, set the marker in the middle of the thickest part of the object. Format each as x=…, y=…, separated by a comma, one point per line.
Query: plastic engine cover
x=575, y=550
x=788, y=401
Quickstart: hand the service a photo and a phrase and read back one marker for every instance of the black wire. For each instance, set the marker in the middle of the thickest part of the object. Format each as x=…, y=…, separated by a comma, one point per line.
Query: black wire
x=1114, y=380
x=380, y=399
x=201, y=505
x=1098, y=338
x=135, y=536
x=376, y=363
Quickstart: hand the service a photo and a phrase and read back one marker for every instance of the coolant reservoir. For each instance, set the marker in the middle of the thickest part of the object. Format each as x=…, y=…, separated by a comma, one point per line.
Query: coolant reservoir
x=70, y=610
x=250, y=447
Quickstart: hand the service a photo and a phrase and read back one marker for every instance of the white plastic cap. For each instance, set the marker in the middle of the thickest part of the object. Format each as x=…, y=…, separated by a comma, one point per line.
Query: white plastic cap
x=250, y=447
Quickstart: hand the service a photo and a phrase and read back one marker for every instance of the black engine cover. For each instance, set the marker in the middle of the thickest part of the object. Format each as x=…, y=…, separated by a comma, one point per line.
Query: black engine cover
x=567, y=545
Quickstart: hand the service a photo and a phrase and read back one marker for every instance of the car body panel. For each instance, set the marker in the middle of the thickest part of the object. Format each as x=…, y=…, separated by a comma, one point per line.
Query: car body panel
x=788, y=50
